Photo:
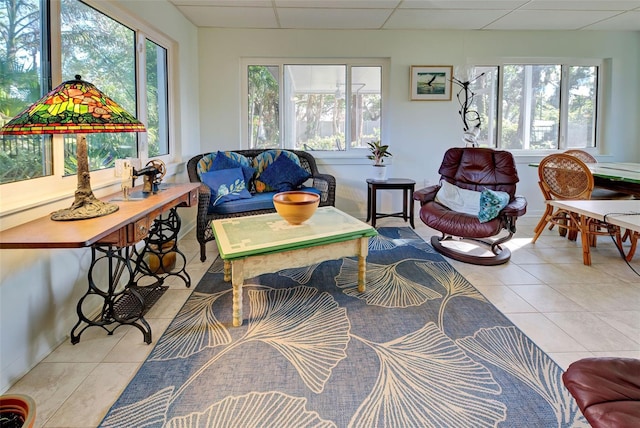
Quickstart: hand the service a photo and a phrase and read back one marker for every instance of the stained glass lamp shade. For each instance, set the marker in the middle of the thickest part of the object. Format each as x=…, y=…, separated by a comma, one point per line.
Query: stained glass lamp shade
x=76, y=107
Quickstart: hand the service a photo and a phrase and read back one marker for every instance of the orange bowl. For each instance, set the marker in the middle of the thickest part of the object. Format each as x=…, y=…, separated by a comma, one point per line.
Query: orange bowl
x=296, y=206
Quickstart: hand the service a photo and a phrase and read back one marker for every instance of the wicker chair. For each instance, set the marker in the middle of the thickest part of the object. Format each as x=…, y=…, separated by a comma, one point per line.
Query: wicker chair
x=564, y=176
x=325, y=183
x=598, y=191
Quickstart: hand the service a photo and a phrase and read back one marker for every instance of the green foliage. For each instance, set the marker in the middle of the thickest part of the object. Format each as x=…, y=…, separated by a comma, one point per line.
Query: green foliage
x=378, y=151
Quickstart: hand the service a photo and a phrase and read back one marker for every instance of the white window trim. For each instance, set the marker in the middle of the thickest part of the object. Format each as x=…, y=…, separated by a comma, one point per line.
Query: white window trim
x=351, y=156
x=26, y=195
x=600, y=148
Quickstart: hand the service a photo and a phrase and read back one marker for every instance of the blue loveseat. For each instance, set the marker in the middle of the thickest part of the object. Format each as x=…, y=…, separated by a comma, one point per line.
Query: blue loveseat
x=247, y=194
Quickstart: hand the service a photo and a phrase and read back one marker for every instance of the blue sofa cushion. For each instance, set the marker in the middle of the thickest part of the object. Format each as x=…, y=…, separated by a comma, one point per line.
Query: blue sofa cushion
x=258, y=201
x=225, y=160
x=284, y=175
x=265, y=159
x=226, y=185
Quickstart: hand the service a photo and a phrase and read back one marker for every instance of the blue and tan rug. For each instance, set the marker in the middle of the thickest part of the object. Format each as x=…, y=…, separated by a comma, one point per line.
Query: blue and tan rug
x=420, y=348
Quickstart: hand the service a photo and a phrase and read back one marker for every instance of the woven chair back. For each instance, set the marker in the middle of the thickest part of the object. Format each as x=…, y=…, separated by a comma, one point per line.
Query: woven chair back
x=565, y=176
x=582, y=155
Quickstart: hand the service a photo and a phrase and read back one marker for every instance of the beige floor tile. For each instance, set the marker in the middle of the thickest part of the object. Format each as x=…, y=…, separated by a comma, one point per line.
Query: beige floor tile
x=591, y=332
x=95, y=343
x=547, y=335
x=575, y=273
x=545, y=299
x=627, y=322
x=132, y=348
x=505, y=299
x=93, y=398
x=602, y=297
x=50, y=384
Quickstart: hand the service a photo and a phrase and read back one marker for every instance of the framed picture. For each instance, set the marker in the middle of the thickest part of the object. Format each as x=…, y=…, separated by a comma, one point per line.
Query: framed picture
x=431, y=82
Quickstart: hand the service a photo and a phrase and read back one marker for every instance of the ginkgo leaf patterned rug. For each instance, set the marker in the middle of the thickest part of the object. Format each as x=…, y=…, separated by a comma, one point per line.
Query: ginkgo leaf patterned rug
x=421, y=347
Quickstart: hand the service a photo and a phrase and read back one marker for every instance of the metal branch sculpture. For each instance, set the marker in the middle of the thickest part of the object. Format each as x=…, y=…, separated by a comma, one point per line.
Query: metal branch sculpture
x=470, y=118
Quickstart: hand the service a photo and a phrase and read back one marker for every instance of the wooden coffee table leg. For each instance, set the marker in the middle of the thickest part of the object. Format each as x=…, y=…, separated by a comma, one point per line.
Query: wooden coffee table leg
x=237, y=280
x=362, y=264
x=227, y=271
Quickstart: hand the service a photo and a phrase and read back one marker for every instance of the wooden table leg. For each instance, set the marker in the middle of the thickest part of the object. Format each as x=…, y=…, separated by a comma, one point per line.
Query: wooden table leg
x=237, y=280
x=227, y=271
x=586, y=236
x=362, y=264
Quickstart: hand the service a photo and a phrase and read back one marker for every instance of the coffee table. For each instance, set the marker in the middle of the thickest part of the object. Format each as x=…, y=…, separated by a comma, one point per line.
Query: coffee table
x=266, y=243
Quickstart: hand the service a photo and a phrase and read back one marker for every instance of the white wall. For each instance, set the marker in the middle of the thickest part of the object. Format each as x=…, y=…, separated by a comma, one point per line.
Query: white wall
x=418, y=132
x=39, y=289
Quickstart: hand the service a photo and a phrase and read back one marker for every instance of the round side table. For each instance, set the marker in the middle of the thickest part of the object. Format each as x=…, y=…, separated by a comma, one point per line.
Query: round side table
x=407, y=186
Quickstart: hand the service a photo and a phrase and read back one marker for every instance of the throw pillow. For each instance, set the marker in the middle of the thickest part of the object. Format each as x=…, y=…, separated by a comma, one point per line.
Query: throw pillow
x=491, y=203
x=226, y=160
x=263, y=160
x=225, y=185
x=284, y=175
x=458, y=199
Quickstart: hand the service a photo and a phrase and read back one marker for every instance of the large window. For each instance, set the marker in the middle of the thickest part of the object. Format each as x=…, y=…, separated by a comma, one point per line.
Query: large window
x=23, y=80
x=103, y=51
x=330, y=107
x=537, y=106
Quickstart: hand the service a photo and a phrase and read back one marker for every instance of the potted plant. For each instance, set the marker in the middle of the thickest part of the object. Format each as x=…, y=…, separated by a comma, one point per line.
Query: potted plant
x=379, y=151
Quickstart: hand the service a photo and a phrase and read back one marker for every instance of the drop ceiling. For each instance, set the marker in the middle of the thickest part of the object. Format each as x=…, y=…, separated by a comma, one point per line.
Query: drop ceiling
x=617, y=15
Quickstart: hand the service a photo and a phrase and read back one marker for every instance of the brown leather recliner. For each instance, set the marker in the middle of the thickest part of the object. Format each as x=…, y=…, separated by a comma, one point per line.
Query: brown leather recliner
x=607, y=390
x=474, y=168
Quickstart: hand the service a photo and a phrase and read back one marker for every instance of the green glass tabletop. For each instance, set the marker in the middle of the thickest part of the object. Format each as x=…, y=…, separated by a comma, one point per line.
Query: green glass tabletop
x=259, y=234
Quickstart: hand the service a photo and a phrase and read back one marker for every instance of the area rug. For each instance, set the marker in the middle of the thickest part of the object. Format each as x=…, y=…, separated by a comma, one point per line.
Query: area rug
x=421, y=347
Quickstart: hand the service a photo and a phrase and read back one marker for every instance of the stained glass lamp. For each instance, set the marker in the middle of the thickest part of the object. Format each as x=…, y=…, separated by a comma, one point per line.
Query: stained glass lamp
x=76, y=107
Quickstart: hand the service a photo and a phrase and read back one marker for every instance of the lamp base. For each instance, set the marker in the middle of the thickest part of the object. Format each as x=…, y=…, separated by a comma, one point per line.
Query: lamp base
x=88, y=208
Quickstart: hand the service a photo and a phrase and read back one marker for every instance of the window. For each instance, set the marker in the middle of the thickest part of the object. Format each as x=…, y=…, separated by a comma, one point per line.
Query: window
x=103, y=51
x=537, y=106
x=157, y=99
x=23, y=80
x=311, y=106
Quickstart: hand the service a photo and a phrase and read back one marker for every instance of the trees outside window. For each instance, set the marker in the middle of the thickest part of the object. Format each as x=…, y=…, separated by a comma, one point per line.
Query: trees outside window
x=537, y=106
x=95, y=46
x=329, y=107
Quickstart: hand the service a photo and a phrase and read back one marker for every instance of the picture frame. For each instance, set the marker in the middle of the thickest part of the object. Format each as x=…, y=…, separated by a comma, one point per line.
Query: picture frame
x=431, y=82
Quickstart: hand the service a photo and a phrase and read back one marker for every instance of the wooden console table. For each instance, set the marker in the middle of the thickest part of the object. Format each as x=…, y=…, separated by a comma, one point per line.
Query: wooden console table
x=133, y=285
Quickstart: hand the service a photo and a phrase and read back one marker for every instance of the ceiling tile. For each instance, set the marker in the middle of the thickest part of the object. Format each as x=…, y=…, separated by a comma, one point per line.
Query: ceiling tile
x=462, y=4
x=423, y=19
x=339, y=4
x=620, y=5
x=230, y=17
x=332, y=18
x=628, y=21
x=548, y=20
x=237, y=3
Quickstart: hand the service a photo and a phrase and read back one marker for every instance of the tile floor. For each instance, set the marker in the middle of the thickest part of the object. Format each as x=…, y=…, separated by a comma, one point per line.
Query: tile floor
x=570, y=310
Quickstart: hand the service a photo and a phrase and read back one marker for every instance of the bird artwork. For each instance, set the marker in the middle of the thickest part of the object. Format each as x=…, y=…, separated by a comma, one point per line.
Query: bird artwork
x=428, y=83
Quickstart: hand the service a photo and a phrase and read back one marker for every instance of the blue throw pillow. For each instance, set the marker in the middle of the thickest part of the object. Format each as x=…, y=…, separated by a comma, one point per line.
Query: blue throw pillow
x=284, y=175
x=491, y=203
x=225, y=185
x=223, y=161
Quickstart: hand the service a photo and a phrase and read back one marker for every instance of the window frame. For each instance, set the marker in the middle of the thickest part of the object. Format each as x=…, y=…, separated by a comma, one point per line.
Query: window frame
x=41, y=191
x=565, y=63
x=334, y=155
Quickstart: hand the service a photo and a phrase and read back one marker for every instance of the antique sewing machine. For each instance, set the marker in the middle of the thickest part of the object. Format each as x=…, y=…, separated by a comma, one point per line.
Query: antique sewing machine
x=151, y=174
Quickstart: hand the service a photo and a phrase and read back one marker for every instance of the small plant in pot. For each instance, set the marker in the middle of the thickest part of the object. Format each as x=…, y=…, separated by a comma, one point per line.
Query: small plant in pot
x=379, y=151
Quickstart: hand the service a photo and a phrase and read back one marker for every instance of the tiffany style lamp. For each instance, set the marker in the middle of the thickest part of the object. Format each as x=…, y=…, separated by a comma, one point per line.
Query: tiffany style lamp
x=76, y=107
